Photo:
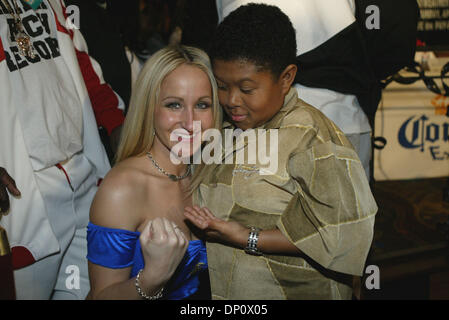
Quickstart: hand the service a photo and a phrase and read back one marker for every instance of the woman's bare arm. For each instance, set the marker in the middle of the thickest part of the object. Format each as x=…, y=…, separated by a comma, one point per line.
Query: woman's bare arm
x=163, y=246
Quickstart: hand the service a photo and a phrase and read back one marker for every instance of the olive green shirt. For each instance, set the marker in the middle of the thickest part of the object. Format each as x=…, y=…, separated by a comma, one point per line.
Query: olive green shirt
x=319, y=198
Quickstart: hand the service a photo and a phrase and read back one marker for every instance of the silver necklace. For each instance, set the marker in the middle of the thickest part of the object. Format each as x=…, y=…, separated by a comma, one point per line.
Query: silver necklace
x=23, y=40
x=172, y=177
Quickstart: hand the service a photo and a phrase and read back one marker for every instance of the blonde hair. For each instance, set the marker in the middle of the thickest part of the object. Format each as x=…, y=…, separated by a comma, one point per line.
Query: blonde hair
x=137, y=133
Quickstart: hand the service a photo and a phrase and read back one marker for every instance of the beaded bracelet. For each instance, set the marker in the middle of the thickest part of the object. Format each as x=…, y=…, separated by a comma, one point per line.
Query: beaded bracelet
x=156, y=296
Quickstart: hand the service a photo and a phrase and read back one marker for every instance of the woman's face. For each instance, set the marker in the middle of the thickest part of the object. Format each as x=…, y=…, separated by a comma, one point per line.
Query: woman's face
x=249, y=96
x=185, y=96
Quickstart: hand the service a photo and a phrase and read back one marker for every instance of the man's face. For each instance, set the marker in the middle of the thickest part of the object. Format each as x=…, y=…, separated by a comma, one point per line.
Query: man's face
x=249, y=96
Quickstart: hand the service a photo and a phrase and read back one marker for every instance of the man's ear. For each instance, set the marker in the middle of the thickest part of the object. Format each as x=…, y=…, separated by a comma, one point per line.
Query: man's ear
x=287, y=77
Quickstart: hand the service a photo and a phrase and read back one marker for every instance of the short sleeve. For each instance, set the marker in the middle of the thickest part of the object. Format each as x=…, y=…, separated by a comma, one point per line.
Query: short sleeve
x=331, y=216
x=111, y=248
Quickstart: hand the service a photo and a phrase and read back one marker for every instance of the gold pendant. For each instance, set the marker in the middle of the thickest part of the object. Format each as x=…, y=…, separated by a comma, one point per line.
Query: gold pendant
x=25, y=45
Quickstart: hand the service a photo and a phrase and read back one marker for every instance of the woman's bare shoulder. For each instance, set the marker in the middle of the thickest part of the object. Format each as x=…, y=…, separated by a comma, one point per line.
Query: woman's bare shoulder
x=118, y=201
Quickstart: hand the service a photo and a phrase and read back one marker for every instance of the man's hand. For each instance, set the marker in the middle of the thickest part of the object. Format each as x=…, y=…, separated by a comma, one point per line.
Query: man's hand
x=216, y=229
x=6, y=183
x=235, y=234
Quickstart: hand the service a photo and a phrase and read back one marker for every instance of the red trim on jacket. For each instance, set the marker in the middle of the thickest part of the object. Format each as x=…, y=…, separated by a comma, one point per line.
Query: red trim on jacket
x=21, y=257
x=59, y=26
x=2, y=51
x=102, y=97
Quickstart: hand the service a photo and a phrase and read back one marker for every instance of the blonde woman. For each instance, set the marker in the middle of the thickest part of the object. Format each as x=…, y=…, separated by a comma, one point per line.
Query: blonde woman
x=139, y=246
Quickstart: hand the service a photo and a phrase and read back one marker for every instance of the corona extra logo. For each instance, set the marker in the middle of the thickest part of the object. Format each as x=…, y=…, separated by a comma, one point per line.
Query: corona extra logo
x=420, y=133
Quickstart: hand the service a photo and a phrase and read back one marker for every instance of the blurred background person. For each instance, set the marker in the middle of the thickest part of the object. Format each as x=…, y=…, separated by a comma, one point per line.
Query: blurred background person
x=53, y=98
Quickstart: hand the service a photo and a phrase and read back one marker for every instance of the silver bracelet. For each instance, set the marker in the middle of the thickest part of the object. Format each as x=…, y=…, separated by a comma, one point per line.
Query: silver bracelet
x=251, y=246
x=156, y=296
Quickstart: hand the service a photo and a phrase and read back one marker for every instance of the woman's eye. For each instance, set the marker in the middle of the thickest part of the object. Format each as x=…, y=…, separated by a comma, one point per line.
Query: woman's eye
x=173, y=105
x=203, y=105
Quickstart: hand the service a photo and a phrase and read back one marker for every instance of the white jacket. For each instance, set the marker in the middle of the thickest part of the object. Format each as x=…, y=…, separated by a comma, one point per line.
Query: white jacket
x=45, y=117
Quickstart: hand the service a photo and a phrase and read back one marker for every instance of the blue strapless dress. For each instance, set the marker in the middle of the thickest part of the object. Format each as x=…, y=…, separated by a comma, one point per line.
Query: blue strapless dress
x=117, y=248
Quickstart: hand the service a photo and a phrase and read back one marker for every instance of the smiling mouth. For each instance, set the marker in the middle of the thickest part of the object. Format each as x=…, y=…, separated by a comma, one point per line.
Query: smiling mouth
x=238, y=118
x=186, y=137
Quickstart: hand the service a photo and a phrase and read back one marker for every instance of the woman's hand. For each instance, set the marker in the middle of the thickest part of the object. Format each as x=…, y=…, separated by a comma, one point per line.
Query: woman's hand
x=217, y=229
x=163, y=247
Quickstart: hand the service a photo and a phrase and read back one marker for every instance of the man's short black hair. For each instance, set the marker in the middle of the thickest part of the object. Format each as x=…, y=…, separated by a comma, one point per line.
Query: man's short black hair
x=258, y=33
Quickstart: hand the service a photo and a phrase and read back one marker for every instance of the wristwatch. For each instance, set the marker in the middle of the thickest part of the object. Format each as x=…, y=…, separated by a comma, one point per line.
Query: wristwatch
x=251, y=246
